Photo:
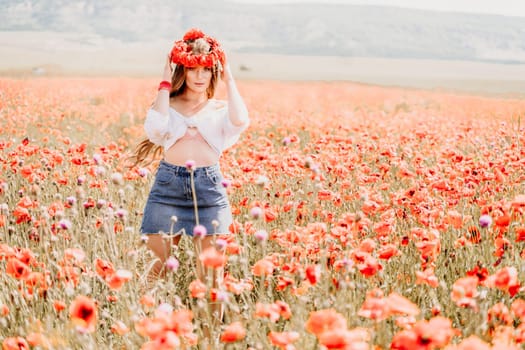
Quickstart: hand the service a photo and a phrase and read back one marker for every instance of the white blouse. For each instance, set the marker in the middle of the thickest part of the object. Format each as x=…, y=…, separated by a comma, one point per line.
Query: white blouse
x=211, y=121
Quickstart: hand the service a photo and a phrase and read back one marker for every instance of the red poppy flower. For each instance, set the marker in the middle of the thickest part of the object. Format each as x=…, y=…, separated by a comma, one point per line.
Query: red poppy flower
x=116, y=280
x=213, y=258
x=313, y=273
x=464, y=291
x=104, y=268
x=263, y=267
x=39, y=339
x=197, y=289
x=270, y=311
x=471, y=343
x=22, y=215
x=375, y=306
x=505, y=279
x=59, y=305
x=499, y=314
x=518, y=309
x=83, y=313
x=388, y=251
x=233, y=332
x=283, y=339
x=15, y=343
x=520, y=233
x=344, y=339
x=17, y=269
x=425, y=335
x=193, y=34
x=325, y=320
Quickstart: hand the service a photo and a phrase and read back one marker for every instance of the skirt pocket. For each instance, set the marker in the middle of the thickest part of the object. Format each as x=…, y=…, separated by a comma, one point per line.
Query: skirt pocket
x=164, y=177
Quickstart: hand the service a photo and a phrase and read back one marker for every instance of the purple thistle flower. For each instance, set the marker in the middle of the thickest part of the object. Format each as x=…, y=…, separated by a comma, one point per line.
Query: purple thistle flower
x=172, y=263
x=164, y=309
x=71, y=200
x=97, y=158
x=190, y=164
x=143, y=172
x=121, y=213
x=101, y=203
x=199, y=231
x=256, y=212
x=65, y=224
x=485, y=221
x=261, y=235
x=222, y=296
x=81, y=179
x=221, y=244
x=100, y=170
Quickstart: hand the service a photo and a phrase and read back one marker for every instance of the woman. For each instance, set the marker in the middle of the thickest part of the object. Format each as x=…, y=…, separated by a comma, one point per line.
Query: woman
x=192, y=130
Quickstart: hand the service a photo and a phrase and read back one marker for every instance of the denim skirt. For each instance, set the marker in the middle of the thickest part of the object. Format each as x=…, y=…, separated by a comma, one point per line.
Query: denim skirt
x=170, y=207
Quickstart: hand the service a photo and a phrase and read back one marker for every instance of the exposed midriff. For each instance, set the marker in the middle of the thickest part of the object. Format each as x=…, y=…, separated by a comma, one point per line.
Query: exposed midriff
x=191, y=146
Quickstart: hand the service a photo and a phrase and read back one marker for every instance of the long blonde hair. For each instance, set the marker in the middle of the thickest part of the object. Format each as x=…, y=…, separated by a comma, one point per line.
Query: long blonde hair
x=147, y=149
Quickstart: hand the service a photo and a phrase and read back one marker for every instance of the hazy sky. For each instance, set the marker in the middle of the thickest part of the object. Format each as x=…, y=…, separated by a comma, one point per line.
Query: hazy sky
x=499, y=7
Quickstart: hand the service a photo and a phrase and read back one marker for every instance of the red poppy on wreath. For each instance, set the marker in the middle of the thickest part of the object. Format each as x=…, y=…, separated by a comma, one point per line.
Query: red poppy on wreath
x=193, y=34
x=182, y=54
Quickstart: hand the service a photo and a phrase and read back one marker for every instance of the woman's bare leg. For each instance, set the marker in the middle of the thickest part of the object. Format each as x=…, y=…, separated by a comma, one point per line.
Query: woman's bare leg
x=161, y=246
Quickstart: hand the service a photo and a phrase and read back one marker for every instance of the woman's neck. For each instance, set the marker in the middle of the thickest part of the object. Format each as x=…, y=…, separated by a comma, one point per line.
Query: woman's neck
x=193, y=97
x=189, y=104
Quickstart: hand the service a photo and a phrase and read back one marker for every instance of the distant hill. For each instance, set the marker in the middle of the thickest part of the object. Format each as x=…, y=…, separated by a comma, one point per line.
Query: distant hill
x=292, y=29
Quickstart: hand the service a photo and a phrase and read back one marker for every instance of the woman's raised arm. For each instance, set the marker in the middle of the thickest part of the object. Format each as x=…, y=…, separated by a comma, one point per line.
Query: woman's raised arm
x=162, y=102
x=237, y=111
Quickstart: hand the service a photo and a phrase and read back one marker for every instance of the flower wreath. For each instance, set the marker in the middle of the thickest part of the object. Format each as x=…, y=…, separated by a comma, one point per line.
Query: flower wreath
x=182, y=54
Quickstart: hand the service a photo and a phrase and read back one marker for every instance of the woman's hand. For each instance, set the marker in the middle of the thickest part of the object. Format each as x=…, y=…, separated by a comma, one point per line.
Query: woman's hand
x=168, y=70
x=226, y=74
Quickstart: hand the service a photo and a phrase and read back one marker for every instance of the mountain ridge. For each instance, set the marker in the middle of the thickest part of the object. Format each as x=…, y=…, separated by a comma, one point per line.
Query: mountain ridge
x=289, y=29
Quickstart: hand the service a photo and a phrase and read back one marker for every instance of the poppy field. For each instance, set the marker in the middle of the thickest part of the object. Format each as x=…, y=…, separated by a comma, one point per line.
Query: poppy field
x=364, y=218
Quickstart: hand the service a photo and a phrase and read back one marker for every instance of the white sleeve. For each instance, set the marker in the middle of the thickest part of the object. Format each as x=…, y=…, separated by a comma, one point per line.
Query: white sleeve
x=232, y=132
x=156, y=126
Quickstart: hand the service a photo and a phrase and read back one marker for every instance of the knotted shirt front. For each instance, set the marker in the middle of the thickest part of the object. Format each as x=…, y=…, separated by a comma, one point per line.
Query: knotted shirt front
x=212, y=122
